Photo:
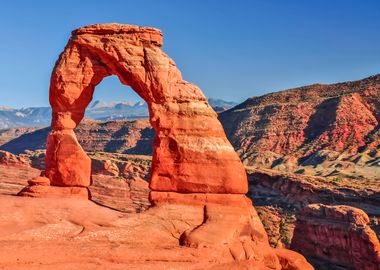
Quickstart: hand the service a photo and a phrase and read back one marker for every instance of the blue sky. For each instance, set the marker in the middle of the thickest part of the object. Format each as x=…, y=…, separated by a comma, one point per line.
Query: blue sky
x=230, y=49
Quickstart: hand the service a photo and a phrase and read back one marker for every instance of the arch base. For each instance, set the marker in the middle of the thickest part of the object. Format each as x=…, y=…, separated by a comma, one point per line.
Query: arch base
x=42, y=191
x=237, y=200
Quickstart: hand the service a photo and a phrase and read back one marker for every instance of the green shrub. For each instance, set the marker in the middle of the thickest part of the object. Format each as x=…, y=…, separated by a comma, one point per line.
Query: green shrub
x=336, y=180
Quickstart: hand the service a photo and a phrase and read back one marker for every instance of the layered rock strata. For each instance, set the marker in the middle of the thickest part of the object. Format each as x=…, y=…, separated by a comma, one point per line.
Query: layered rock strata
x=337, y=234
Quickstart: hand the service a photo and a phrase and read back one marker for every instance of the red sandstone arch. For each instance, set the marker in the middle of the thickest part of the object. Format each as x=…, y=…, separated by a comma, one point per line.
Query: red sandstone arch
x=191, y=153
x=193, y=162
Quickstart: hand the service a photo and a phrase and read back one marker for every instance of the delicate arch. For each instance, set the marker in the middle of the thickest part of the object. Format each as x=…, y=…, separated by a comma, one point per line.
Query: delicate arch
x=193, y=162
x=191, y=153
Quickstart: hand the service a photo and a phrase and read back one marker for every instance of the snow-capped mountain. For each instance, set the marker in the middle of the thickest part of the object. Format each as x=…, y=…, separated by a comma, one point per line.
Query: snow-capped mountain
x=98, y=110
x=25, y=117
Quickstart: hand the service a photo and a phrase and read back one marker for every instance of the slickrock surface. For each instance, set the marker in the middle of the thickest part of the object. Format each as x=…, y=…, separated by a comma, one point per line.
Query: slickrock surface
x=13, y=179
x=77, y=234
x=339, y=234
x=110, y=235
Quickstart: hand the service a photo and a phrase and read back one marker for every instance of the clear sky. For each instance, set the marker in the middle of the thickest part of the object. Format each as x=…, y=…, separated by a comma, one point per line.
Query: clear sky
x=231, y=49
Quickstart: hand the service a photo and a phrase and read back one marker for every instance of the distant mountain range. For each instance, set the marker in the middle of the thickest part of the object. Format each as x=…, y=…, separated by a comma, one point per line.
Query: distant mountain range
x=26, y=117
x=116, y=110
x=97, y=110
x=328, y=130
x=220, y=105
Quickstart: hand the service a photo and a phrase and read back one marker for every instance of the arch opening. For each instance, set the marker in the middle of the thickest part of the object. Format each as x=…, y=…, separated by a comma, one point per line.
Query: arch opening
x=113, y=100
x=121, y=151
x=121, y=161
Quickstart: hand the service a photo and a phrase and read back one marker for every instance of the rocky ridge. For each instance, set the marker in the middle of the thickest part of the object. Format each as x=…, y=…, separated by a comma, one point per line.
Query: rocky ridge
x=117, y=136
x=327, y=130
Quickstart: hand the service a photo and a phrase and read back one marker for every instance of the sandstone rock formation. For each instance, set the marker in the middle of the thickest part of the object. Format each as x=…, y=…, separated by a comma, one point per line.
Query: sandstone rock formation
x=191, y=153
x=127, y=192
x=14, y=178
x=118, y=136
x=7, y=158
x=193, y=163
x=279, y=196
x=338, y=234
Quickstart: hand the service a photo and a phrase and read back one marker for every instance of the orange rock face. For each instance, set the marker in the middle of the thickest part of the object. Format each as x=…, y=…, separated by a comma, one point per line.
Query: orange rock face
x=66, y=163
x=190, y=151
x=338, y=234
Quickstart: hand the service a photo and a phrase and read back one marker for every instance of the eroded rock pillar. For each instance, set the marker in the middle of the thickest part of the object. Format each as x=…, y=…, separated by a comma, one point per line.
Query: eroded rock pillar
x=67, y=167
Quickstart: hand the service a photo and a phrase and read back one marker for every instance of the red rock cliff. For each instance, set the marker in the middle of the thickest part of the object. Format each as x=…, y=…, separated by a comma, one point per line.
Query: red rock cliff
x=339, y=234
x=339, y=117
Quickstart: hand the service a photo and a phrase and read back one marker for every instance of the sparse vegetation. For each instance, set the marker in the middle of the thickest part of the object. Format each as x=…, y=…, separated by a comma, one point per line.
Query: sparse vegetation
x=337, y=180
